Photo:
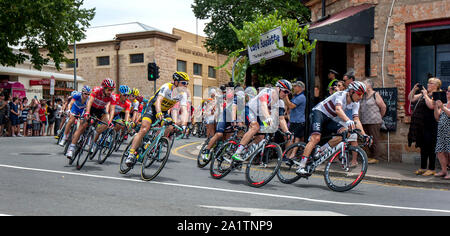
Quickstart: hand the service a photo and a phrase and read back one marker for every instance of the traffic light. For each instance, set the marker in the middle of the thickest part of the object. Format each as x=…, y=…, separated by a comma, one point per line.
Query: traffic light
x=153, y=71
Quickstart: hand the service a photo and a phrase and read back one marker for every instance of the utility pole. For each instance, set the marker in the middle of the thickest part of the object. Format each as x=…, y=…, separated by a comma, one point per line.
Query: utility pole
x=75, y=65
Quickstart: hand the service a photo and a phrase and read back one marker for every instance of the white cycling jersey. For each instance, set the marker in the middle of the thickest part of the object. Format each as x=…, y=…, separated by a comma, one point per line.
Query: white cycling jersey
x=328, y=106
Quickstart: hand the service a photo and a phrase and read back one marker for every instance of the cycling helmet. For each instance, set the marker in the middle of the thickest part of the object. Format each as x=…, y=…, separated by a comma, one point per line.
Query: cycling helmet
x=284, y=84
x=73, y=93
x=86, y=89
x=108, y=83
x=180, y=76
x=357, y=86
x=124, y=90
x=135, y=92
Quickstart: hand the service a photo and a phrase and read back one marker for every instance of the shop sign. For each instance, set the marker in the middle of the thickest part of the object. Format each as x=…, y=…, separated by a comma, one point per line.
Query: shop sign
x=40, y=82
x=266, y=47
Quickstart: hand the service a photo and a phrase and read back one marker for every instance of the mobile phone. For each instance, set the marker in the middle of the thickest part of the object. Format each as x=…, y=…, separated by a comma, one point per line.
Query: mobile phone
x=440, y=96
x=420, y=87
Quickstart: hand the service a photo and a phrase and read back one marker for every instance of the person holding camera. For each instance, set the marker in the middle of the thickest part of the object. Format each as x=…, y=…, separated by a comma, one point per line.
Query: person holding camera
x=423, y=128
x=442, y=115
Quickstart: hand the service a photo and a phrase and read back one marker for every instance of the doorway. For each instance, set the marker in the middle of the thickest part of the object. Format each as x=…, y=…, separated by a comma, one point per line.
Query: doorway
x=334, y=56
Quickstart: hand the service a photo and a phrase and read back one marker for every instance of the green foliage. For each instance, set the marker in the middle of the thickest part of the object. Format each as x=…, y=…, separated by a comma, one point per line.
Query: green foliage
x=32, y=25
x=251, y=32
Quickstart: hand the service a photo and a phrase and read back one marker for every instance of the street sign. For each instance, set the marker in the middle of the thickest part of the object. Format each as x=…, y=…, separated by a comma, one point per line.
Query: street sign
x=52, y=86
x=266, y=47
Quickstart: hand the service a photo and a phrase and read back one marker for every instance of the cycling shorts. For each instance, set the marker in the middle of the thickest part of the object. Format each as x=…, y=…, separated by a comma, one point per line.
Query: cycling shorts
x=322, y=124
x=150, y=115
x=75, y=111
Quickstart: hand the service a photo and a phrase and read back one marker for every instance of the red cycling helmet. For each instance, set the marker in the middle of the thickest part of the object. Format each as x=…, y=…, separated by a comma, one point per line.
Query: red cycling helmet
x=108, y=83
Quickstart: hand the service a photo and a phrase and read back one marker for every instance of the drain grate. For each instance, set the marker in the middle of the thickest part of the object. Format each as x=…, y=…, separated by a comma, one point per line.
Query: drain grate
x=35, y=154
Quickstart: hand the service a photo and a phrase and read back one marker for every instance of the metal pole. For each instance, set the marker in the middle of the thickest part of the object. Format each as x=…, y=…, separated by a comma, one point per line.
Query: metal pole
x=75, y=65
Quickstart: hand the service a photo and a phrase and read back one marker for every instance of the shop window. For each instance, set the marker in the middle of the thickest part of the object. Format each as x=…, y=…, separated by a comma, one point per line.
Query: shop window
x=137, y=58
x=198, y=91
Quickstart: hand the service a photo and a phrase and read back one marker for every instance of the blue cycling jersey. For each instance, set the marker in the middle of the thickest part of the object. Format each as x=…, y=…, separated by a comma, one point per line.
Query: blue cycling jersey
x=78, y=106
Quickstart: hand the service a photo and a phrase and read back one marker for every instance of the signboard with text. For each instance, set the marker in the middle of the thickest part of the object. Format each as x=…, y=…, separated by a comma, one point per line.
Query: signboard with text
x=266, y=47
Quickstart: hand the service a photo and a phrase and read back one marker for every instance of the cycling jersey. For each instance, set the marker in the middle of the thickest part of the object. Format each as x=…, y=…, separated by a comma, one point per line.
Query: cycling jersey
x=328, y=106
x=78, y=106
x=122, y=107
x=135, y=105
x=100, y=100
x=170, y=97
x=268, y=96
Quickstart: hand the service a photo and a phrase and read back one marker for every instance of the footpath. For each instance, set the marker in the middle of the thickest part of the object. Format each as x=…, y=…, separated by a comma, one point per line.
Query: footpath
x=394, y=173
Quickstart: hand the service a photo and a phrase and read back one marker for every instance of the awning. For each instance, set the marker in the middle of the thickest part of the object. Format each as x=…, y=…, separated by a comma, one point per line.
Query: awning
x=38, y=74
x=352, y=25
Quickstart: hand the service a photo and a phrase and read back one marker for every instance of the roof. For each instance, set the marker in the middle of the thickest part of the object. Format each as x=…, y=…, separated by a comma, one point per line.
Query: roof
x=109, y=32
x=352, y=25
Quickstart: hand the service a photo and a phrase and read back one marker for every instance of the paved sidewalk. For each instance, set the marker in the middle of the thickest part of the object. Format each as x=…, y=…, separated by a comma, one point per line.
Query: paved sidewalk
x=388, y=173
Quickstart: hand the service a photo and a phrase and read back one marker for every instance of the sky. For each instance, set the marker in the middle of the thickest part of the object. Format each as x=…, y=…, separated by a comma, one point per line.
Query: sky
x=161, y=14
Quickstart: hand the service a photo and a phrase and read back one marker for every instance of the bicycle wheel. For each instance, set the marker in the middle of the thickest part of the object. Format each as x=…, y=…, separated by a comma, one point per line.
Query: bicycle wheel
x=106, y=147
x=69, y=140
x=123, y=168
x=155, y=160
x=286, y=174
x=200, y=162
x=222, y=163
x=263, y=166
x=340, y=172
x=84, y=151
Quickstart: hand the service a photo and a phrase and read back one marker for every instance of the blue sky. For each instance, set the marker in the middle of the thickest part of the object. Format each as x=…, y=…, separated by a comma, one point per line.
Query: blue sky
x=162, y=14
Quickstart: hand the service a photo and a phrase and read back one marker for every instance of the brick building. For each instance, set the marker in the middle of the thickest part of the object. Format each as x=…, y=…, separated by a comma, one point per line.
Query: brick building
x=122, y=52
x=395, y=50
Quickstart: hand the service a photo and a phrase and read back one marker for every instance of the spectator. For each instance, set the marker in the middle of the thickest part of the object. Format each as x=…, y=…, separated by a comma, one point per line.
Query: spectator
x=14, y=117
x=423, y=128
x=58, y=115
x=24, y=110
x=442, y=115
x=3, y=111
x=340, y=86
x=36, y=121
x=29, y=123
x=51, y=117
x=297, y=114
x=372, y=109
x=349, y=77
x=43, y=117
x=332, y=74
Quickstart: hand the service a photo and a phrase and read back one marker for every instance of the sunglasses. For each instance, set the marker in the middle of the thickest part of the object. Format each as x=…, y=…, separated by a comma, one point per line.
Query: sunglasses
x=86, y=94
x=184, y=82
x=286, y=91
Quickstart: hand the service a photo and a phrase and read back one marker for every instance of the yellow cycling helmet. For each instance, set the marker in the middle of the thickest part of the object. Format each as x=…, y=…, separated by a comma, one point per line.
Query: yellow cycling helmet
x=180, y=76
x=135, y=92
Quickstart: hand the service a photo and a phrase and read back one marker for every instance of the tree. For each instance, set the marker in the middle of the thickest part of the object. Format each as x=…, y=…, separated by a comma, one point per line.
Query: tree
x=33, y=25
x=221, y=38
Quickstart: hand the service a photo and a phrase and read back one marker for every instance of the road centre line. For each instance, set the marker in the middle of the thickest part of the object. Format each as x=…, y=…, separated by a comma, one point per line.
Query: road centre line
x=229, y=190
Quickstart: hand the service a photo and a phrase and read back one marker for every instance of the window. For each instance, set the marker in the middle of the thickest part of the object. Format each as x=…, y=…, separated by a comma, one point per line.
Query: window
x=71, y=64
x=211, y=72
x=181, y=66
x=198, y=91
x=103, y=61
x=197, y=69
x=137, y=58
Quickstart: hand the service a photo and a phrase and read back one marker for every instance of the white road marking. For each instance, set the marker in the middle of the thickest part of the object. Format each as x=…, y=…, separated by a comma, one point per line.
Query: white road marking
x=271, y=212
x=232, y=191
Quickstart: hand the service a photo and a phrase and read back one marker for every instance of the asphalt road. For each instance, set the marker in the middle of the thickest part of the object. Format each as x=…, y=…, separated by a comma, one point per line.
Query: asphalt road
x=35, y=179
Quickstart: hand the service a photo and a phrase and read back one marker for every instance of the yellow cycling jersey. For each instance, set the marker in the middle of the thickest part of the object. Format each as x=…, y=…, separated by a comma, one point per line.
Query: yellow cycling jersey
x=170, y=97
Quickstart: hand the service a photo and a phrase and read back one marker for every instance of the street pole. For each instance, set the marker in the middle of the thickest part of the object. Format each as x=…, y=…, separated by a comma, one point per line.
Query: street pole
x=75, y=65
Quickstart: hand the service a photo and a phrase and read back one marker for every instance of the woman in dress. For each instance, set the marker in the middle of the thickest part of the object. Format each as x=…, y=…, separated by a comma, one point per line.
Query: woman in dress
x=442, y=115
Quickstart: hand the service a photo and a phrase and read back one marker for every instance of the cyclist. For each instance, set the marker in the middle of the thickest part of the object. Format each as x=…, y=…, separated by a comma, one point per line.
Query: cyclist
x=224, y=121
x=135, y=105
x=123, y=107
x=76, y=107
x=268, y=97
x=164, y=99
x=100, y=97
x=330, y=114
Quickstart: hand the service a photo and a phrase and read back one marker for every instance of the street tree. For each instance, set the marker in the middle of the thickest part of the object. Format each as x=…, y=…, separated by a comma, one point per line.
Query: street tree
x=29, y=26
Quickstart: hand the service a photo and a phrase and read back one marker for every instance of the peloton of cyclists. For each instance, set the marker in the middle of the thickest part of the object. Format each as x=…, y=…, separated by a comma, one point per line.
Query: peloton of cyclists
x=96, y=106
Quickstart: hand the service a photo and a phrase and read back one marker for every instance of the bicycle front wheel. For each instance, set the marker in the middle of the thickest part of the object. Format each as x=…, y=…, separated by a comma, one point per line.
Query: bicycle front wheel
x=222, y=162
x=286, y=174
x=200, y=162
x=84, y=152
x=263, y=166
x=155, y=160
x=346, y=170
